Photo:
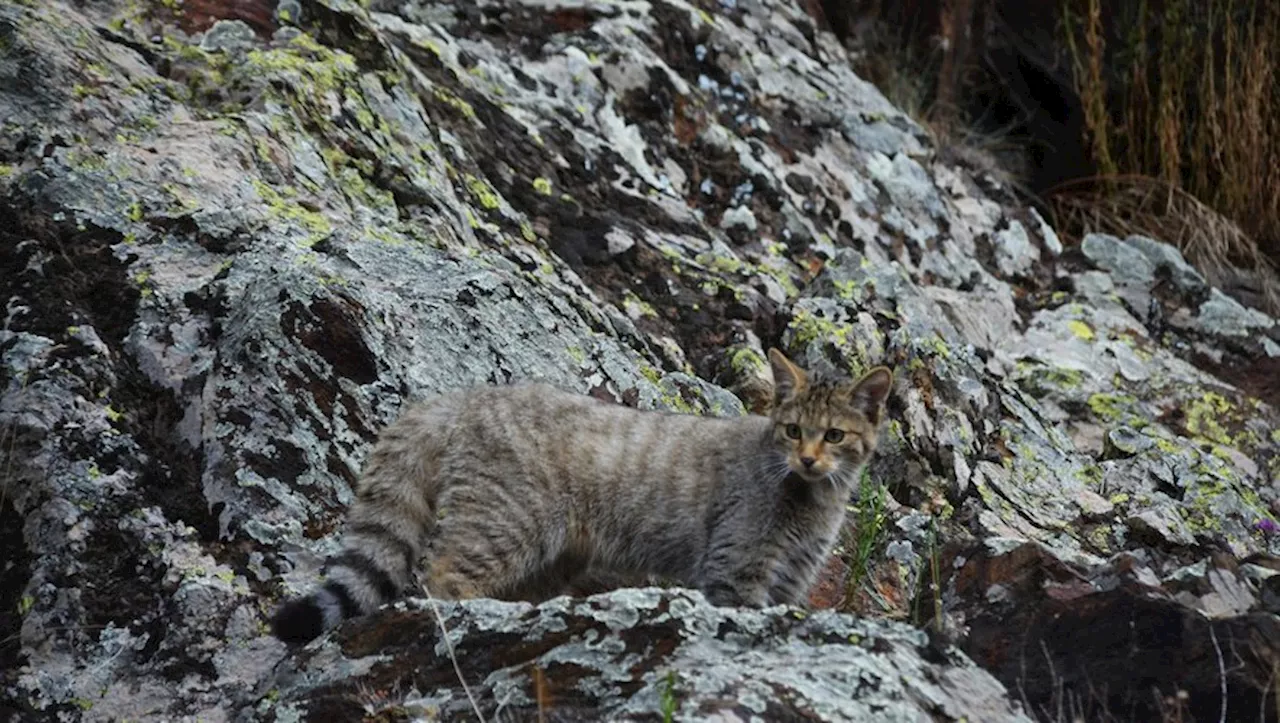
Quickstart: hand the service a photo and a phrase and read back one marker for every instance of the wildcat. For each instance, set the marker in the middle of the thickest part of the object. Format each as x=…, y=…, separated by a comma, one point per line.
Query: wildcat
x=519, y=492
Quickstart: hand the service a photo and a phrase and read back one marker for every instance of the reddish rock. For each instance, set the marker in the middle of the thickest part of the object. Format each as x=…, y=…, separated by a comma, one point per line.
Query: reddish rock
x=829, y=590
x=200, y=15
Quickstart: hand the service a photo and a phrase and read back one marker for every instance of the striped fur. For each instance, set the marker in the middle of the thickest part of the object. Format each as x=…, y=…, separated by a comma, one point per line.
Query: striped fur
x=525, y=492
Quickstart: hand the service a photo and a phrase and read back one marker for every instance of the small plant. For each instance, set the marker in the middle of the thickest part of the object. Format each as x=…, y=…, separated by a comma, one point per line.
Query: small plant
x=669, y=703
x=870, y=528
x=931, y=579
x=935, y=578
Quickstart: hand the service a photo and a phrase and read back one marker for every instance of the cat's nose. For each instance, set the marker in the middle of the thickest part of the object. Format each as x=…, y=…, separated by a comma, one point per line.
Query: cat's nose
x=807, y=462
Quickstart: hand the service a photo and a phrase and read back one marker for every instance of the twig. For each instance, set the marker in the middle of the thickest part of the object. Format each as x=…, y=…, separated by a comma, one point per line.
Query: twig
x=453, y=658
x=1222, y=674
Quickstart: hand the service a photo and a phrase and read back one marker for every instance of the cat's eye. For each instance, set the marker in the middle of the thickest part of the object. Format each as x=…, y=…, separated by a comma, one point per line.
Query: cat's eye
x=834, y=436
x=793, y=431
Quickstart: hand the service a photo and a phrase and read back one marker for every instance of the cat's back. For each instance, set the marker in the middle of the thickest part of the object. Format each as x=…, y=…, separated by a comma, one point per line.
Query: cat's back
x=540, y=408
x=540, y=425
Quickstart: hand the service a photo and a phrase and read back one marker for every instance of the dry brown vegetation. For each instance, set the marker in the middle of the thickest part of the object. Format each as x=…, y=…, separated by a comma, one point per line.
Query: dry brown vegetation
x=1167, y=125
x=1184, y=127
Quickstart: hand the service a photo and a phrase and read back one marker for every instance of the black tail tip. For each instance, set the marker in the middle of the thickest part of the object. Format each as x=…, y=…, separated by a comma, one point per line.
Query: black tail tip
x=298, y=621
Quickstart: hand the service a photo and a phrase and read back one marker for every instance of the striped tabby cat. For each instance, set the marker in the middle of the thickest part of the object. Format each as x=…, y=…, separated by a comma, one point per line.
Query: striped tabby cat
x=521, y=492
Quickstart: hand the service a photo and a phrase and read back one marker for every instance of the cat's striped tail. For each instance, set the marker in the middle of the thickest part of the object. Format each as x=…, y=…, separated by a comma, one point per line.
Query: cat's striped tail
x=375, y=567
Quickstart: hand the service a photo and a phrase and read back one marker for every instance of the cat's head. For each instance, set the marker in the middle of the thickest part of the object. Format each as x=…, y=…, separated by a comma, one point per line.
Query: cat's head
x=827, y=427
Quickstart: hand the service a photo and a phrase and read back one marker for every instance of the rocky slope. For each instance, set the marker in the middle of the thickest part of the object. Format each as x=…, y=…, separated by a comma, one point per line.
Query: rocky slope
x=241, y=235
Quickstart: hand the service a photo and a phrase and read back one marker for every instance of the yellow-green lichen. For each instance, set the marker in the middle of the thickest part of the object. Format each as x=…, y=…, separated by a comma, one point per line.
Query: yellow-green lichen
x=846, y=290
x=320, y=65
x=648, y=372
x=1081, y=329
x=1099, y=537
x=314, y=223
x=455, y=102
x=635, y=306
x=746, y=360
x=384, y=236
x=1111, y=407
x=782, y=277
x=1089, y=474
x=1203, y=417
x=939, y=346
x=677, y=403
x=1039, y=379
x=721, y=264
x=807, y=327
x=576, y=354
x=542, y=185
x=483, y=194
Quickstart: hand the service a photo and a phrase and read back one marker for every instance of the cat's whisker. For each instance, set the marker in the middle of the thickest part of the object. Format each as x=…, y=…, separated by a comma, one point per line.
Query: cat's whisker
x=842, y=480
x=835, y=480
x=774, y=475
x=775, y=469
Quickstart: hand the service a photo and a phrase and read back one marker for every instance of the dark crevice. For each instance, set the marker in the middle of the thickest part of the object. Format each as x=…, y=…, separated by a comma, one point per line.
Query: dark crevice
x=15, y=571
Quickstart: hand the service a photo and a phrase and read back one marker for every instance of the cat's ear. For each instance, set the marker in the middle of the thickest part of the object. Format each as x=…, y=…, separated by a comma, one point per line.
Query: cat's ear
x=788, y=379
x=871, y=391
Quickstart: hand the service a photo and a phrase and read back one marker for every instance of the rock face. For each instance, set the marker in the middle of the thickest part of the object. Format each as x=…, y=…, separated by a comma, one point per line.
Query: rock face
x=239, y=236
x=630, y=655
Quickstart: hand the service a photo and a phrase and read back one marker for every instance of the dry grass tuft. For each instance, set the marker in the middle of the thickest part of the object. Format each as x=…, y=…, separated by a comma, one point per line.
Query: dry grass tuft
x=1127, y=205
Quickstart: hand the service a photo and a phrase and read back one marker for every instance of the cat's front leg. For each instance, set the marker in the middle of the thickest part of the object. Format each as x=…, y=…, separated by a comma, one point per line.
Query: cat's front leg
x=730, y=594
x=795, y=574
x=744, y=584
x=791, y=595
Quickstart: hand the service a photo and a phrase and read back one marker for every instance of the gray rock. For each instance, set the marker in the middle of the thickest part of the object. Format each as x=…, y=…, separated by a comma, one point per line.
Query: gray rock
x=1163, y=255
x=667, y=649
x=1051, y=241
x=1127, y=264
x=289, y=11
x=229, y=36
x=1123, y=441
x=1015, y=254
x=1165, y=522
x=738, y=217
x=1223, y=315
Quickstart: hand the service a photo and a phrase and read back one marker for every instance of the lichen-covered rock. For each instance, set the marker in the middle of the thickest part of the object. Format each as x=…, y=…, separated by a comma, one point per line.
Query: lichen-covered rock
x=642, y=654
x=1051, y=622
x=240, y=236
